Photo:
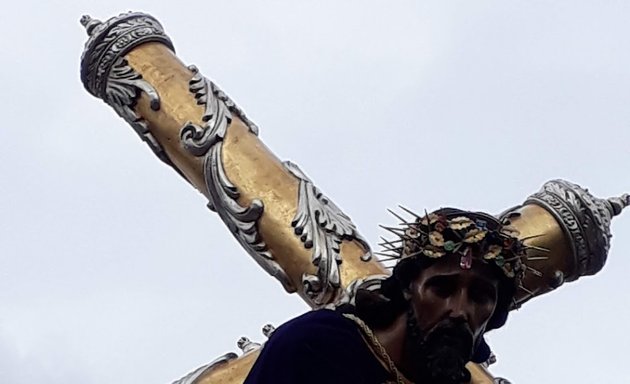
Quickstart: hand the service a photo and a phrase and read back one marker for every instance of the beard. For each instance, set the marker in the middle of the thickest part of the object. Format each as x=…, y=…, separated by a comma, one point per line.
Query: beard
x=440, y=355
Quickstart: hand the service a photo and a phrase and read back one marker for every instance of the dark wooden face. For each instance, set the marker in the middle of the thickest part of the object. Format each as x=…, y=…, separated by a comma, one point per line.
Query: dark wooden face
x=444, y=291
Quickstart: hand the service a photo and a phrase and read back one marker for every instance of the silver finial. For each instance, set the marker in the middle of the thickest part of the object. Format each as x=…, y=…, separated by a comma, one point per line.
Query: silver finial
x=617, y=204
x=268, y=330
x=246, y=345
x=89, y=23
x=585, y=219
x=492, y=359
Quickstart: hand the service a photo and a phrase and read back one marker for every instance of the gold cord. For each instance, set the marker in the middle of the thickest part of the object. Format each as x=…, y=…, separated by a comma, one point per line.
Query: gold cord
x=377, y=347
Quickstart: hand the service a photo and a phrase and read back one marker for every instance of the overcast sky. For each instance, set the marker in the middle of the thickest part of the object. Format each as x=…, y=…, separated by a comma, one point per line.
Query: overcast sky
x=113, y=271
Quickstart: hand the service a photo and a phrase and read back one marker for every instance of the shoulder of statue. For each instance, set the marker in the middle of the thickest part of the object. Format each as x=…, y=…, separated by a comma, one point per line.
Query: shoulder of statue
x=325, y=339
x=315, y=324
x=320, y=332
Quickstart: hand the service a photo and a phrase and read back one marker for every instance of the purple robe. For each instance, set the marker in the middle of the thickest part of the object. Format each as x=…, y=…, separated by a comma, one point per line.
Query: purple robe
x=319, y=347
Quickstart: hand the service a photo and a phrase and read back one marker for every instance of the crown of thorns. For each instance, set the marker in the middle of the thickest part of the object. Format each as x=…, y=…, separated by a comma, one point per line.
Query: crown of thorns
x=468, y=235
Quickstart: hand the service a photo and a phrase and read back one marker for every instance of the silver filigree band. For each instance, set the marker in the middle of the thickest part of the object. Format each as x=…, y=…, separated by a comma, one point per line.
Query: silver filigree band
x=111, y=40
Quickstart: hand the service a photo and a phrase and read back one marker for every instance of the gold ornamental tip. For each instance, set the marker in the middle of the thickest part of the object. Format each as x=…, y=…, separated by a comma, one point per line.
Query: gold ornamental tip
x=567, y=230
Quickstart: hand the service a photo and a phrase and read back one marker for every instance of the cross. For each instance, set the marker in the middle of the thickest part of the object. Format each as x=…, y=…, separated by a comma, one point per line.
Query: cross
x=273, y=209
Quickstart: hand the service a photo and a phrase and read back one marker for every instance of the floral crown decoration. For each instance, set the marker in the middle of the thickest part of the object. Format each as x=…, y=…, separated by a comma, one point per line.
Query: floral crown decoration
x=469, y=235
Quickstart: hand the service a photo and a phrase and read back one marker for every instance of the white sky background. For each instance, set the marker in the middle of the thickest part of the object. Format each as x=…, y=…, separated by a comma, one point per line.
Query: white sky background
x=113, y=271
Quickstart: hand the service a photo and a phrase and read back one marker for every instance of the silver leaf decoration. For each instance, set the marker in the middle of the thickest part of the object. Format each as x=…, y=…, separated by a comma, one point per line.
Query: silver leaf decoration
x=124, y=86
x=322, y=226
x=207, y=141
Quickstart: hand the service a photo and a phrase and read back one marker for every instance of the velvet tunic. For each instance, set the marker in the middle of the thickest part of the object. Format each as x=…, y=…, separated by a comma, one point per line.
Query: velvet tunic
x=319, y=347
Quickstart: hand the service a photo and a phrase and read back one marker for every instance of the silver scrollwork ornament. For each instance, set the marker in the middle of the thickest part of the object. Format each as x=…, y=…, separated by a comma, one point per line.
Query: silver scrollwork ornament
x=207, y=141
x=322, y=226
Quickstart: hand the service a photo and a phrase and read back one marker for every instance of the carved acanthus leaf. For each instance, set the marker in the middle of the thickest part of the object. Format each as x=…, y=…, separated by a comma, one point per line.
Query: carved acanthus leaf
x=207, y=141
x=124, y=86
x=322, y=227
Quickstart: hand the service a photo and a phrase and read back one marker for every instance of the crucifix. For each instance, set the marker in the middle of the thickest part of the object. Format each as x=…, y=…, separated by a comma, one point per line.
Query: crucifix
x=273, y=209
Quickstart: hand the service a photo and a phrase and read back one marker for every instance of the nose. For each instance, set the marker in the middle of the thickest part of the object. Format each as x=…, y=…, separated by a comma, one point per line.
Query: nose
x=459, y=307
